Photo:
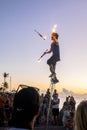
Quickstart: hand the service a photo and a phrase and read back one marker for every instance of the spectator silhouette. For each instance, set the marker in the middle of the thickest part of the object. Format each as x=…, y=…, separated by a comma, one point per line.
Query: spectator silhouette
x=81, y=116
x=25, y=109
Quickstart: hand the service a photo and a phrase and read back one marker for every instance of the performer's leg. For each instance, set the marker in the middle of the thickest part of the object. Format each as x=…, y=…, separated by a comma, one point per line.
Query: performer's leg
x=52, y=68
x=51, y=62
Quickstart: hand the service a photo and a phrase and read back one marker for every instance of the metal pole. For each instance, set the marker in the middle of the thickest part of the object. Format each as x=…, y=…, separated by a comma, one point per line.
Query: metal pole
x=10, y=83
x=52, y=85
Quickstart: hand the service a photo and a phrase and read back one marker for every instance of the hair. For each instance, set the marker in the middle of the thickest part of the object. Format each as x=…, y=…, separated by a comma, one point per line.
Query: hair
x=25, y=107
x=55, y=34
x=81, y=116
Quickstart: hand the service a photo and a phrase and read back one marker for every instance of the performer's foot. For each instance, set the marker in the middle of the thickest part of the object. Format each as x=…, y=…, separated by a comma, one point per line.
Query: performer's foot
x=54, y=80
x=51, y=75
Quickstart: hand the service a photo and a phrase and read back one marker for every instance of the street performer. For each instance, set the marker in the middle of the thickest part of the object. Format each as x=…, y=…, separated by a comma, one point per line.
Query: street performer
x=55, y=56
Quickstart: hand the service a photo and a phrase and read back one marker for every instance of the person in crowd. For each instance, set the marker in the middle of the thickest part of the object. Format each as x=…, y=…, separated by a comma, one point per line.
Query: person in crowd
x=72, y=102
x=71, y=120
x=26, y=106
x=55, y=92
x=81, y=116
x=2, y=111
x=44, y=109
x=61, y=112
x=66, y=116
x=7, y=109
x=66, y=102
x=48, y=94
x=55, y=108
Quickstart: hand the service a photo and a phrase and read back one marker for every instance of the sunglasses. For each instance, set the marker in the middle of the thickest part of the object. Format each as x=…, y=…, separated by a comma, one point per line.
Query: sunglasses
x=21, y=86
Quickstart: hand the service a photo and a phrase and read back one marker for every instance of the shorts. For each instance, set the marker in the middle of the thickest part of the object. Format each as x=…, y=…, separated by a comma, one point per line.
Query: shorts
x=55, y=111
x=53, y=59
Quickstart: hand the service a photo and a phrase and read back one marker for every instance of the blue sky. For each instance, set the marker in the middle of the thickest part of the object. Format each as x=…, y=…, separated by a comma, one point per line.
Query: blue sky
x=20, y=46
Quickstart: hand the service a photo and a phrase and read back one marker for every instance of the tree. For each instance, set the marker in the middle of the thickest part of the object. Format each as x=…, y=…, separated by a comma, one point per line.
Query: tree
x=5, y=84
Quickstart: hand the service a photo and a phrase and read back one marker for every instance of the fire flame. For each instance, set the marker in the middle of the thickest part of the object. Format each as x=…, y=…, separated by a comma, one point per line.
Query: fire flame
x=39, y=60
x=54, y=28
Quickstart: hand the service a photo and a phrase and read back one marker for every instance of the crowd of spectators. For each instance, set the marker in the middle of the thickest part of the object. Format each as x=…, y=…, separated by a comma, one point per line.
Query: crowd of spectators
x=63, y=117
x=56, y=116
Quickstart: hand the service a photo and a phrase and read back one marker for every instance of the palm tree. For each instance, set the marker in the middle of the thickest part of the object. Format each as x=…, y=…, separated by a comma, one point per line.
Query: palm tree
x=5, y=75
x=5, y=84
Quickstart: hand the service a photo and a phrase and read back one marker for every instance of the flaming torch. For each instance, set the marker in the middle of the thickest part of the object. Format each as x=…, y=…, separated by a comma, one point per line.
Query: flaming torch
x=42, y=55
x=43, y=37
x=54, y=28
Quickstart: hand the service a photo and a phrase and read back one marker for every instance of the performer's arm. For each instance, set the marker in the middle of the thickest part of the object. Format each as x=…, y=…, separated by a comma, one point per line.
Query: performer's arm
x=49, y=51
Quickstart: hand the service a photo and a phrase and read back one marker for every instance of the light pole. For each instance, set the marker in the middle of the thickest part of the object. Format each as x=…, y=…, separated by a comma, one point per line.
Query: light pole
x=10, y=83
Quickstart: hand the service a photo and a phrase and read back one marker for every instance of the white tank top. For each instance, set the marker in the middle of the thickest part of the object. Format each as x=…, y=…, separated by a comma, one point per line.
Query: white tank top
x=56, y=105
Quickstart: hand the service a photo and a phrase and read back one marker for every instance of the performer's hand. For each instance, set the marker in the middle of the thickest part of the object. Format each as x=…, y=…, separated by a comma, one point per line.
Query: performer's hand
x=45, y=53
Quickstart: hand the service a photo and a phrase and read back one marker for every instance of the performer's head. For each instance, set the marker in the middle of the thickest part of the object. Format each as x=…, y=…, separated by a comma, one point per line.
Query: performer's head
x=54, y=34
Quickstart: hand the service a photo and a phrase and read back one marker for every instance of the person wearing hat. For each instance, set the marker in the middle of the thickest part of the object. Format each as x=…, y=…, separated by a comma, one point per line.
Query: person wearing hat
x=25, y=109
x=55, y=56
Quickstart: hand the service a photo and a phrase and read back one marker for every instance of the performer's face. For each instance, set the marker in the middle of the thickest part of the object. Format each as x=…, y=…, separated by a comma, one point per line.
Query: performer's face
x=53, y=37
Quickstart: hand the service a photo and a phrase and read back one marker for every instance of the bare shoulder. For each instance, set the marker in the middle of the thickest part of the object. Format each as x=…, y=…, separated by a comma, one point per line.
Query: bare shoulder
x=56, y=42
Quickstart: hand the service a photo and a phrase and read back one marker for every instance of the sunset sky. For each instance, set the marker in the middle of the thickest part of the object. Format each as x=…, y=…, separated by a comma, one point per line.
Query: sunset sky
x=20, y=46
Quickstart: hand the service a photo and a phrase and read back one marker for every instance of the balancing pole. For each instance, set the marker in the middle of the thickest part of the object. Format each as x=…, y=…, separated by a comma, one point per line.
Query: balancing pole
x=52, y=85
